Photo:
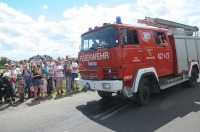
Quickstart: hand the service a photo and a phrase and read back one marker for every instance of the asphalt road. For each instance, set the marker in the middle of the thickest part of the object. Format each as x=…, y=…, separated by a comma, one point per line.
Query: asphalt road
x=173, y=110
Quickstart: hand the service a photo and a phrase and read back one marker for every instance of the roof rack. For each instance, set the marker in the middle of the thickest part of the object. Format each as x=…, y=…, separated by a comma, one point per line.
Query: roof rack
x=161, y=23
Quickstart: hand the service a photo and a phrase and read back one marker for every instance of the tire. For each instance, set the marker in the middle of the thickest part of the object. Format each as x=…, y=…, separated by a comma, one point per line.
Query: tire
x=193, y=79
x=103, y=94
x=143, y=93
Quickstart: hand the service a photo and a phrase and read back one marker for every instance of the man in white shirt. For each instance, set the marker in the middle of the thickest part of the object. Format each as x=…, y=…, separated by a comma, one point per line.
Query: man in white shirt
x=58, y=69
x=74, y=71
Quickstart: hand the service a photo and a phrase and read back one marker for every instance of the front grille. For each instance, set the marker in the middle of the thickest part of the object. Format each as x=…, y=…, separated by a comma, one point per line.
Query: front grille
x=101, y=73
x=110, y=73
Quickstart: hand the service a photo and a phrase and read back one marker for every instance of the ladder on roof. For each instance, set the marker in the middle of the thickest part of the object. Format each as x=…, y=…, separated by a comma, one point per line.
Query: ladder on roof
x=161, y=23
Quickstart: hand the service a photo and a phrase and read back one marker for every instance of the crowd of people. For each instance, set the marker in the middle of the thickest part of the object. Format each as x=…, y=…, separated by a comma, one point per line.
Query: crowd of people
x=41, y=77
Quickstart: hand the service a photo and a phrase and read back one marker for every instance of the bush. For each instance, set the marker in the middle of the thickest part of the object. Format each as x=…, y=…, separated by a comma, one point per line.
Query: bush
x=3, y=61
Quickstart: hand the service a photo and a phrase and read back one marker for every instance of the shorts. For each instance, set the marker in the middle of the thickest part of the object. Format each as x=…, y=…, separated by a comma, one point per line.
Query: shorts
x=36, y=82
x=74, y=75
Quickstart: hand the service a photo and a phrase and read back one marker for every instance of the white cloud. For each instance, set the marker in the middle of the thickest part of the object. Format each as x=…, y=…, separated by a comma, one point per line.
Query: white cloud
x=22, y=37
x=45, y=7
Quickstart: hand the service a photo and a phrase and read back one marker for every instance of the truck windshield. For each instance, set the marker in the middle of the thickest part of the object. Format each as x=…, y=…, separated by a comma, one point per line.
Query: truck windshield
x=103, y=38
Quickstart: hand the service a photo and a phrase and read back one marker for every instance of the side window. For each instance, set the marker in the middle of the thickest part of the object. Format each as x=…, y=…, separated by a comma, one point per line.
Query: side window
x=160, y=38
x=129, y=36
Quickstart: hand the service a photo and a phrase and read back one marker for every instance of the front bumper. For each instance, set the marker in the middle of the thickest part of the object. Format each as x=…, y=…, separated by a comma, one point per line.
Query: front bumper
x=101, y=85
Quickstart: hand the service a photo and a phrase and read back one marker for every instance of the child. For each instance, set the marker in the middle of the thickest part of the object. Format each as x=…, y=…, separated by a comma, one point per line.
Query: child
x=44, y=86
x=20, y=84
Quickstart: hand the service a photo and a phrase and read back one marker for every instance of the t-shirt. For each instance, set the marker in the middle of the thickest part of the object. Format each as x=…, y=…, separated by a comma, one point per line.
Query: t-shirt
x=46, y=70
x=58, y=73
x=74, y=65
x=14, y=73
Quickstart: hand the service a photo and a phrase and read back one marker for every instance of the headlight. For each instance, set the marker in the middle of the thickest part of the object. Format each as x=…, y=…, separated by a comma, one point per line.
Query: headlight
x=106, y=86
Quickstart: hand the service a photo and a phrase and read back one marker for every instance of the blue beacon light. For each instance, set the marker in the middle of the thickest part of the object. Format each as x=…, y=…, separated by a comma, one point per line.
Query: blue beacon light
x=118, y=20
x=89, y=29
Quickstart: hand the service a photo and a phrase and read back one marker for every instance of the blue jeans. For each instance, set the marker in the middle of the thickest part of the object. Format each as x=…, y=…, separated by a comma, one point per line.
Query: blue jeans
x=68, y=83
x=49, y=85
x=28, y=85
x=73, y=75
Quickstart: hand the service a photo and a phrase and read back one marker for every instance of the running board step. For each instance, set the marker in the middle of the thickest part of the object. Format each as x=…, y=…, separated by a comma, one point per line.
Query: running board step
x=172, y=84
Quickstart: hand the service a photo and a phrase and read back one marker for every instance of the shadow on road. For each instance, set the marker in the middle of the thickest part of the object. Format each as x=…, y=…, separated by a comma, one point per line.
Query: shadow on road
x=170, y=104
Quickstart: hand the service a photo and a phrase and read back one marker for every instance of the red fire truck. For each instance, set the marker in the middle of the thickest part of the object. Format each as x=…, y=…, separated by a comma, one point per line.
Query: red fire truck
x=137, y=61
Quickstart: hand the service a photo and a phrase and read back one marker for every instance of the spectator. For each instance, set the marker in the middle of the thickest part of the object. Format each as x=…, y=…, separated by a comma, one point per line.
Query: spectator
x=43, y=89
x=1, y=91
x=7, y=70
x=36, y=76
x=67, y=73
x=58, y=69
x=9, y=63
x=48, y=73
x=17, y=64
x=20, y=84
x=31, y=66
x=13, y=75
x=26, y=74
x=74, y=71
x=10, y=93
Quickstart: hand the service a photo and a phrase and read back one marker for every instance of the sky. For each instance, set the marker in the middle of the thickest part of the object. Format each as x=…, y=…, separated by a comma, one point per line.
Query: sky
x=54, y=27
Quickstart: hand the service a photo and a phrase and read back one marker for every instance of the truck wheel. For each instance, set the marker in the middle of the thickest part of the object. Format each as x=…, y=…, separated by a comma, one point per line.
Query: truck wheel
x=143, y=95
x=193, y=79
x=103, y=94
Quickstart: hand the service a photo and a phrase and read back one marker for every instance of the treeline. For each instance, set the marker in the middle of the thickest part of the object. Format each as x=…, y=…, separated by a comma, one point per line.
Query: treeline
x=3, y=61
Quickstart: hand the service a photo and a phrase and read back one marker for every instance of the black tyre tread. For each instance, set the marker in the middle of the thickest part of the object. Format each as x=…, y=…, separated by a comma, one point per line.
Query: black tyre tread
x=193, y=79
x=139, y=95
x=103, y=94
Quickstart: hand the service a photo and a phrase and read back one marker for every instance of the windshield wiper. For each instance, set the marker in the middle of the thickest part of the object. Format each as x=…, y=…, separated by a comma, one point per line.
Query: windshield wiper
x=82, y=51
x=92, y=48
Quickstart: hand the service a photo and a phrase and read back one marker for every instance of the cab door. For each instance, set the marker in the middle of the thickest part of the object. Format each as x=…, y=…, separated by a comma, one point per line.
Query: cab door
x=132, y=52
x=149, y=52
x=164, y=64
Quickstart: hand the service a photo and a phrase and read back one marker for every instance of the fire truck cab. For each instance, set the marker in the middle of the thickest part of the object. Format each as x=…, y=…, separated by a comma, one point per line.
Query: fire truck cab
x=136, y=61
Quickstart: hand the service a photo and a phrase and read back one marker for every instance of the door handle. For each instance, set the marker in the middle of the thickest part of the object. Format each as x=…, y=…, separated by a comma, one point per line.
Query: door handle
x=168, y=49
x=140, y=50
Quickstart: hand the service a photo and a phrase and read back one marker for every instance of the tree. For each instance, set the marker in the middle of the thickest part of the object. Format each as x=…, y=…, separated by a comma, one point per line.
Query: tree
x=3, y=61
